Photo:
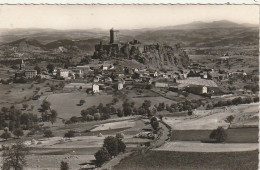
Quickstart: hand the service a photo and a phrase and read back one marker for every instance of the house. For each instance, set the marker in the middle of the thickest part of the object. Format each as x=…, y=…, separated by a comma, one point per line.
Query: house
x=84, y=68
x=154, y=74
x=95, y=88
x=63, y=73
x=30, y=73
x=161, y=84
x=120, y=86
x=204, y=75
x=107, y=67
x=197, y=89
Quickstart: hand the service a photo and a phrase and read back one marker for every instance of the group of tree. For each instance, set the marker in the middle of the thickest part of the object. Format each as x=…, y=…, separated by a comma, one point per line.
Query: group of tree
x=112, y=147
x=236, y=101
x=14, y=156
x=48, y=114
x=16, y=121
x=186, y=105
x=99, y=112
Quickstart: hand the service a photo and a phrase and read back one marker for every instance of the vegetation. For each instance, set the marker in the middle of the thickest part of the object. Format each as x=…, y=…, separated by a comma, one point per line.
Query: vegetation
x=6, y=135
x=154, y=123
x=64, y=165
x=219, y=134
x=69, y=134
x=230, y=119
x=14, y=156
x=48, y=133
x=102, y=155
x=18, y=132
x=112, y=147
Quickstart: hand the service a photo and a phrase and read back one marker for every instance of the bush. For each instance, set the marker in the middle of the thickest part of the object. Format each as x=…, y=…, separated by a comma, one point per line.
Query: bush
x=6, y=135
x=120, y=136
x=69, y=134
x=102, y=156
x=48, y=133
x=120, y=113
x=81, y=102
x=97, y=116
x=218, y=134
x=154, y=123
x=64, y=165
x=256, y=99
x=18, y=132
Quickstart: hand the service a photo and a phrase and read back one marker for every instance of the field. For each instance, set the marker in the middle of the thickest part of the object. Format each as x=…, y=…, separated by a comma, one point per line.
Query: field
x=66, y=104
x=182, y=146
x=211, y=119
x=156, y=160
x=49, y=152
x=239, y=135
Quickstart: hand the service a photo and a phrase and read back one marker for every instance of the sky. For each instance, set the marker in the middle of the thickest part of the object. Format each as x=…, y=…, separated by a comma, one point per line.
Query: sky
x=121, y=16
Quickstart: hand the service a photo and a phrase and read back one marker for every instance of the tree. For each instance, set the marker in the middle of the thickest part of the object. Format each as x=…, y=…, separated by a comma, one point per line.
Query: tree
x=218, y=134
x=81, y=102
x=14, y=156
x=102, y=155
x=64, y=165
x=50, y=68
x=114, y=145
x=154, y=123
x=6, y=135
x=48, y=133
x=53, y=116
x=69, y=134
x=230, y=119
x=18, y=132
x=25, y=106
x=128, y=111
x=119, y=113
x=97, y=116
x=38, y=69
x=45, y=105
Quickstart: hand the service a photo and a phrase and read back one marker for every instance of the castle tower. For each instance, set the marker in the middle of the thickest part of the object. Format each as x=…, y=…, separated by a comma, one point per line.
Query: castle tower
x=113, y=36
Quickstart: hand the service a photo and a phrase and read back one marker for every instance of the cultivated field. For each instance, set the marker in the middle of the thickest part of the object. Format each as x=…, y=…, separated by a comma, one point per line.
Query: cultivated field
x=157, y=160
x=182, y=146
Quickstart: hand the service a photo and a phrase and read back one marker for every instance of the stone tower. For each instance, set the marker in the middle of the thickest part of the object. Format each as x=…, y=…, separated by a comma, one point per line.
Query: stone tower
x=113, y=36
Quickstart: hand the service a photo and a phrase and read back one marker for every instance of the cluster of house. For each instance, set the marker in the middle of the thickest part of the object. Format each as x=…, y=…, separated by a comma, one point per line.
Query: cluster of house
x=195, y=79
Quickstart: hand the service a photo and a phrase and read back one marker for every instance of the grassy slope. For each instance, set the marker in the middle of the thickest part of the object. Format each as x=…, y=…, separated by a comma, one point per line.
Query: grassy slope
x=184, y=160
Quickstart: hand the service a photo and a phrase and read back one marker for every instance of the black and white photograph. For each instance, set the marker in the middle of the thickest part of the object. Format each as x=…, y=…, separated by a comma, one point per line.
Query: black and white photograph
x=129, y=87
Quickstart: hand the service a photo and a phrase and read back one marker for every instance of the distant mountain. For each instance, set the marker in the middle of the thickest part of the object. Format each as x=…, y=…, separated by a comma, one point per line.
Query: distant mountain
x=195, y=34
x=204, y=25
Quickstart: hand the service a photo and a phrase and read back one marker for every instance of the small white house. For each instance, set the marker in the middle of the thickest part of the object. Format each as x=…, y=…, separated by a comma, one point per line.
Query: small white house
x=63, y=73
x=95, y=88
x=120, y=86
x=161, y=85
x=204, y=90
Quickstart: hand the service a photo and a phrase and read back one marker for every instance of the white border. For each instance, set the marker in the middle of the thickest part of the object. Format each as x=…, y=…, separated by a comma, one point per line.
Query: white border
x=255, y=2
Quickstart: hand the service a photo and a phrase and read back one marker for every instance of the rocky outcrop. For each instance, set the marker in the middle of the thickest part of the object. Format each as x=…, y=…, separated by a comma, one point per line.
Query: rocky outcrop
x=162, y=56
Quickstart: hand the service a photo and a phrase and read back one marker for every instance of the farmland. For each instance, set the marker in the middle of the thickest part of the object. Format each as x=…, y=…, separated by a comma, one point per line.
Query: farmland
x=156, y=160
